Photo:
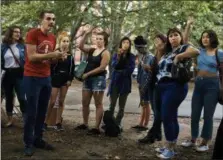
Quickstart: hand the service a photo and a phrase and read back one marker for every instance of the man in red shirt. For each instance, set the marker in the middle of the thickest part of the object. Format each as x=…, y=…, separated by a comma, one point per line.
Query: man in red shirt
x=40, y=45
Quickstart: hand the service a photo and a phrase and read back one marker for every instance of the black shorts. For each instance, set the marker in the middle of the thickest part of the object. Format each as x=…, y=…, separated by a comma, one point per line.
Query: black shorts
x=59, y=81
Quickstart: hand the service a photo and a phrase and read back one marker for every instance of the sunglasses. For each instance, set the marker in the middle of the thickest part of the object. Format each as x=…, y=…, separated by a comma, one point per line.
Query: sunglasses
x=49, y=18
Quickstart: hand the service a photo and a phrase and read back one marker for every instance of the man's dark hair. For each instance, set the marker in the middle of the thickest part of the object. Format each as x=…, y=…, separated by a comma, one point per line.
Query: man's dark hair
x=42, y=13
x=213, y=38
x=139, y=40
x=8, y=35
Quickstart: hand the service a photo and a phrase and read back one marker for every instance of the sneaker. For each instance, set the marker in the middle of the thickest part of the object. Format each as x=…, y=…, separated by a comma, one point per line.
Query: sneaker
x=160, y=150
x=166, y=154
x=142, y=128
x=136, y=127
x=93, y=131
x=43, y=145
x=59, y=127
x=28, y=151
x=202, y=148
x=103, y=127
x=45, y=127
x=81, y=127
x=188, y=143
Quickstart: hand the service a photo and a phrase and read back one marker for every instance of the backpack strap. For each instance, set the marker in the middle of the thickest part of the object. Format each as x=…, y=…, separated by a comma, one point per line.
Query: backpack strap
x=15, y=58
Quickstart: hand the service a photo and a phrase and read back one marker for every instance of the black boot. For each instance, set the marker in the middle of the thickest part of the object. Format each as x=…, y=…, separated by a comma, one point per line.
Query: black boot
x=151, y=137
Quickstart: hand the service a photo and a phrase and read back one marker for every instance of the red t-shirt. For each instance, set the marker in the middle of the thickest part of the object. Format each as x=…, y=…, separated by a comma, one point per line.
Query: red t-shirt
x=45, y=43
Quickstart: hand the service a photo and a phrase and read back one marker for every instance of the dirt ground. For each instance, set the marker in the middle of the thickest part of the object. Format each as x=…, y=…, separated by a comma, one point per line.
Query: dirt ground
x=71, y=144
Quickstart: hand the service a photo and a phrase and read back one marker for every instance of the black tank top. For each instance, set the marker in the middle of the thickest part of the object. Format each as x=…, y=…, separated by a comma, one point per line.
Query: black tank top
x=94, y=62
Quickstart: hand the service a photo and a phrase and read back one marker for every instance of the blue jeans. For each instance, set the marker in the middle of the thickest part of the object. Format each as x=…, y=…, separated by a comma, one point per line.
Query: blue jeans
x=37, y=91
x=205, y=96
x=171, y=95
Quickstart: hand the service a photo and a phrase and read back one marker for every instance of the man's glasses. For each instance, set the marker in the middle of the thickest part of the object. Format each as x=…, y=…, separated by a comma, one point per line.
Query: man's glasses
x=49, y=18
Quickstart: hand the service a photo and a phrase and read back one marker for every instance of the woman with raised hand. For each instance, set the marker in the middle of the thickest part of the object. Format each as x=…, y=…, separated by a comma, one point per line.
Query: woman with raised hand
x=12, y=62
x=123, y=64
x=62, y=74
x=94, y=79
x=206, y=90
x=170, y=93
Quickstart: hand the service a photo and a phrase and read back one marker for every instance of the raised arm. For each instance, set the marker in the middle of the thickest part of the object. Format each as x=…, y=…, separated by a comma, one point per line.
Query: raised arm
x=83, y=40
x=187, y=30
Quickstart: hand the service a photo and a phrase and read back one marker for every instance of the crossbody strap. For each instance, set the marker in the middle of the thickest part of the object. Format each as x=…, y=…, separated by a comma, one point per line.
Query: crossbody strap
x=17, y=61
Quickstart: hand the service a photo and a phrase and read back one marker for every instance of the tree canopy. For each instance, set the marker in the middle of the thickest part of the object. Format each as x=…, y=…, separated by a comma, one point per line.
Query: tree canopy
x=124, y=18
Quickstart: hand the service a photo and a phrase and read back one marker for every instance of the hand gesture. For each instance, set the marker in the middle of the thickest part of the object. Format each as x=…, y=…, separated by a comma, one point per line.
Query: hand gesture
x=89, y=29
x=190, y=20
x=68, y=83
x=120, y=51
x=84, y=76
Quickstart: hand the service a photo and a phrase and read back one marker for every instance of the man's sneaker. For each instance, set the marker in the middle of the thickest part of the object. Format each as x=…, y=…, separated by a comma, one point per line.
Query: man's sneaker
x=59, y=127
x=43, y=145
x=188, y=143
x=81, y=127
x=202, y=148
x=166, y=154
x=28, y=151
x=44, y=127
x=160, y=150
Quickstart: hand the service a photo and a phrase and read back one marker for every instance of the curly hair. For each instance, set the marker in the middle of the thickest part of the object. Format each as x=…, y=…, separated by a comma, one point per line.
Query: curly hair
x=8, y=35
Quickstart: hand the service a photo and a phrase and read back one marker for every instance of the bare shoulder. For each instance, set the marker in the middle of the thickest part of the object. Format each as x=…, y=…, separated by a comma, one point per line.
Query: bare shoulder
x=106, y=52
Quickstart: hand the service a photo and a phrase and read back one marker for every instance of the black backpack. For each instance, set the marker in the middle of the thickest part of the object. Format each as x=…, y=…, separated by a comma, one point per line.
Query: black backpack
x=111, y=127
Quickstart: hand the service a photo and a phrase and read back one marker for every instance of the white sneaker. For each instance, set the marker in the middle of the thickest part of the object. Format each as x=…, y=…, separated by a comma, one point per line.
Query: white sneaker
x=166, y=154
x=160, y=150
x=202, y=148
x=187, y=143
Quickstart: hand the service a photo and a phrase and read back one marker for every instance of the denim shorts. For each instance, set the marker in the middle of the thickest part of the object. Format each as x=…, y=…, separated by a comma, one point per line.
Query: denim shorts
x=97, y=83
x=145, y=96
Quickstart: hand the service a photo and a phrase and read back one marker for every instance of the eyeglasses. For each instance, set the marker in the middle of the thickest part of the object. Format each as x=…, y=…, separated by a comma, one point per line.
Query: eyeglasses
x=66, y=41
x=49, y=18
x=99, y=38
